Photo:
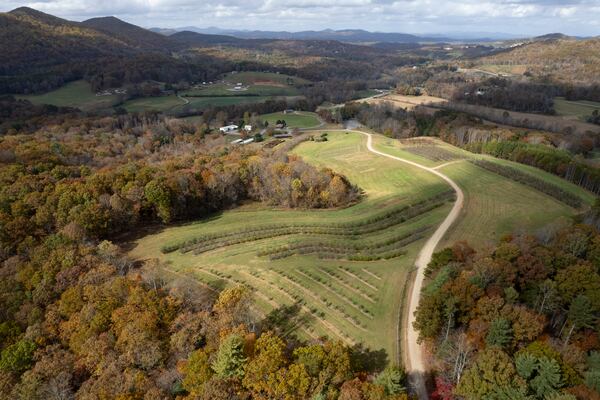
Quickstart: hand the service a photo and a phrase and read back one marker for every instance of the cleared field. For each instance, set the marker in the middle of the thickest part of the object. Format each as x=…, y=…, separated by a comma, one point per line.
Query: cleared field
x=430, y=152
x=295, y=120
x=265, y=78
x=174, y=103
x=74, y=94
x=575, y=109
x=319, y=259
x=342, y=273
x=495, y=206
x=222, y=89
x=406, y=102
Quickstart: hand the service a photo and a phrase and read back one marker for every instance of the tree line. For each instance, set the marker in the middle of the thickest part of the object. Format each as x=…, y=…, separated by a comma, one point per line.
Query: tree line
x=516, y=321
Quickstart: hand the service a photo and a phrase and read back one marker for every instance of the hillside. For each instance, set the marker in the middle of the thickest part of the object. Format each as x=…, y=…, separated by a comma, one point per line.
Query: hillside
x=132, y=35
x=562, y=60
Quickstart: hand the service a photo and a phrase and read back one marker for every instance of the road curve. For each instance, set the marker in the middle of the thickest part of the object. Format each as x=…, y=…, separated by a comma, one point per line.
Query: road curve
x=415, y=365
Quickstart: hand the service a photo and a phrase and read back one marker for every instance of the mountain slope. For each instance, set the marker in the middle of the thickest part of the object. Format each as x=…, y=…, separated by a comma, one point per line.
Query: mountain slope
x=564, y=60
x=130, y=34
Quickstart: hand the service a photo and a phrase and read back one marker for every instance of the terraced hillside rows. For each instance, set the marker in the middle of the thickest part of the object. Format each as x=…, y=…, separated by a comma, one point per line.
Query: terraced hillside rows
x=336, y=273
x=343, y=273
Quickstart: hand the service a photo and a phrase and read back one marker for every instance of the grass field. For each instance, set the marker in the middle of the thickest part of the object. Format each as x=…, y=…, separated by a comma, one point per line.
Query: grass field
x=174, y=103
x=494, y=205
x=304, y=120
x=575, y=109
x=251, y=78
x=356, y=301
x=222, y=89
x=74, y=94
x=291, y=258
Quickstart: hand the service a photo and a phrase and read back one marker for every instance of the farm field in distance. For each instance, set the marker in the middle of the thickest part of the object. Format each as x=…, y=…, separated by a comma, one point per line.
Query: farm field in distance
x=275, y=251
x=293, y=120
x=575, y=109
x=74, y=94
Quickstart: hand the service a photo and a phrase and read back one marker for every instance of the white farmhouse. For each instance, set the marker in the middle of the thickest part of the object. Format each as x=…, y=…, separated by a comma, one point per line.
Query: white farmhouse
x=228, y=128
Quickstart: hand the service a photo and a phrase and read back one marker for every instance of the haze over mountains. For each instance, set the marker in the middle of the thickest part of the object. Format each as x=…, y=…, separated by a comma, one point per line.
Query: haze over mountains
x=345, y=35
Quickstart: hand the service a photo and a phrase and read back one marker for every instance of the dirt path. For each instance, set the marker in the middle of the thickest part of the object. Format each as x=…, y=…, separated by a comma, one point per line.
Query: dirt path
x=415, y=365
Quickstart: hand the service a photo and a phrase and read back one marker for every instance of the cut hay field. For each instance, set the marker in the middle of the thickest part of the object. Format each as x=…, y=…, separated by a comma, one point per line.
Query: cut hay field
x=173, y=103
x=222, y=89
x=406, y=102
x=254, y=78
x=575, y=109
x=74, y=94
x=343, y=273
x=494, y=205
x=293, y=120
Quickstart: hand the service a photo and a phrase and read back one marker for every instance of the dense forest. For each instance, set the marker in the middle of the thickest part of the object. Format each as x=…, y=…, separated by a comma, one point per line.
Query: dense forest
x=516, y=321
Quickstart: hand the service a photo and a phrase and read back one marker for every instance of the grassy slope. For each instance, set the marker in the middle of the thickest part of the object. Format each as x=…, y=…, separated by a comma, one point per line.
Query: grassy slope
x=260, y=90
x=494, y=205
x=173, y=103
x=250, y=77
x=304, y=120
x=577, y=109
x=386, y=184
x=74, y=94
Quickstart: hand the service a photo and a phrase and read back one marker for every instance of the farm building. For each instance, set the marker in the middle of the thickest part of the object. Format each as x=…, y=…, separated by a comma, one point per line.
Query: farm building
x=247, y=128
x=288, y=111
x=248, y=141
x=228, y=128
x=236, y=141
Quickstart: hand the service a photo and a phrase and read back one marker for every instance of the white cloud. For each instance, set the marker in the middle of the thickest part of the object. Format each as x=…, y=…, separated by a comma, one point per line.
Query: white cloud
x=511, y=16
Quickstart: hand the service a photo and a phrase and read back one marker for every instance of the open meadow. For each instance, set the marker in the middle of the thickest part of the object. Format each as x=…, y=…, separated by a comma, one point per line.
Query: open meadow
x=76, y=94
x=343, y=273
x=495, y=205
x=293, y=120
x=575, y=109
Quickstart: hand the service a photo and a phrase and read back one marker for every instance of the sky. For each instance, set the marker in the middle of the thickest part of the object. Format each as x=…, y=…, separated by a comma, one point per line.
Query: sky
x=519, y=17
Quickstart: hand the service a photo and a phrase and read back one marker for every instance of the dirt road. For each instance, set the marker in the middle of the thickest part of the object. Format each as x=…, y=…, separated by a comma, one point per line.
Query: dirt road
x=415, y=365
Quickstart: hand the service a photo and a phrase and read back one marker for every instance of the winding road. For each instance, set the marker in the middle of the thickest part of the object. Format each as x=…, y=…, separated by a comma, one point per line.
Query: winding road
x=415, y=366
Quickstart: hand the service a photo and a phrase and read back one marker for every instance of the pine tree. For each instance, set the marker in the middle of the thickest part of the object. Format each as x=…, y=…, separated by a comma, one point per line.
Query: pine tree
x=230, y=358
x=580, y=315
x=548, y=378
x=500, y=333
x=392, y=380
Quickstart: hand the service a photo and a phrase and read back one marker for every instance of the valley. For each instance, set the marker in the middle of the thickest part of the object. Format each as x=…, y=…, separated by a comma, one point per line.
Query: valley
x=333, y=214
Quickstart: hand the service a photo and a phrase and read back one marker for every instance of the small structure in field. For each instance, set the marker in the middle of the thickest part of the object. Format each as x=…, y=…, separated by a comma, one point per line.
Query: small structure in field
x=288, y=111
x=236, y=141
x=228, y=128
x=250, y=140
x=247, y=128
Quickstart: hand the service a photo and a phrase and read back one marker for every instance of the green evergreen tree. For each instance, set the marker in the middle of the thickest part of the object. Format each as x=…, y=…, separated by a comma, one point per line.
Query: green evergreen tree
x=592, y=376
x=526, y=364
x=230, y=358
x=548, y=378
x=392, y=379
x=580, y=315
x=500, y=333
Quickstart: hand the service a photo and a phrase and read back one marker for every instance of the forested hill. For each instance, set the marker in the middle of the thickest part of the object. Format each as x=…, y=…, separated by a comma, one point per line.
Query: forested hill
x=562, y=60
x=132, y=35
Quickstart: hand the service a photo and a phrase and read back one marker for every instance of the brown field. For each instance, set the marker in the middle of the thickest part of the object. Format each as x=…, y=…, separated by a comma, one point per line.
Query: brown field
x=406, y=102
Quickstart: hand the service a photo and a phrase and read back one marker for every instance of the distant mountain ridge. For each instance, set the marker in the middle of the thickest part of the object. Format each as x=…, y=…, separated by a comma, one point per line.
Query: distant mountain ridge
x=344, y=35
